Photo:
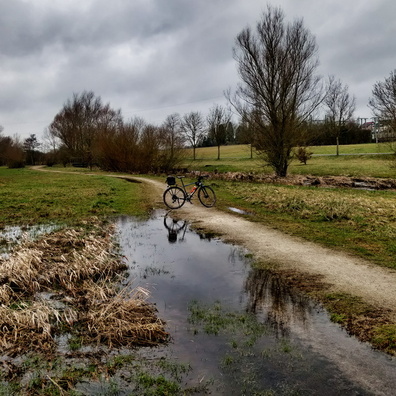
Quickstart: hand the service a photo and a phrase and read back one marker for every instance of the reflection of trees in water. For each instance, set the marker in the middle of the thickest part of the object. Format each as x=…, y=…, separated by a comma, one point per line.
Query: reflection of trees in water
x=272, y=299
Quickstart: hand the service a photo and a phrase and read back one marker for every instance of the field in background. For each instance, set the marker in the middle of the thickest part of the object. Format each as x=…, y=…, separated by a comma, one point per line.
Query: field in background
x=242, y=151
x=360, y=160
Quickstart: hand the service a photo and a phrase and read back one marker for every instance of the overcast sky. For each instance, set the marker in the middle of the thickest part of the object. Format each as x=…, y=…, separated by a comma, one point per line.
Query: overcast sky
x=152, y=58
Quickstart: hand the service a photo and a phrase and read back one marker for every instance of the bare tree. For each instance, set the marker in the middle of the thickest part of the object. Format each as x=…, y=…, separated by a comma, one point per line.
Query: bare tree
x=15, y=156
x=279, y=89
x=5, y=145
x=217, y=121
x=192, y=126
x=119, y=151
x=383, y=102
x=340, y=108
x=81, y=120
x=171, y=141
x=50, y=142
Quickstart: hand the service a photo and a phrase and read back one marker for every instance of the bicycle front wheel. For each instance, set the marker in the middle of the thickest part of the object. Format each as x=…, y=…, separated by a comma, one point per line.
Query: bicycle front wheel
x=207, y=196
x=174, y=197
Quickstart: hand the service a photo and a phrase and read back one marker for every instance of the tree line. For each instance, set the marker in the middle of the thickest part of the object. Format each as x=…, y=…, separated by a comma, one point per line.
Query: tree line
x=278, y=99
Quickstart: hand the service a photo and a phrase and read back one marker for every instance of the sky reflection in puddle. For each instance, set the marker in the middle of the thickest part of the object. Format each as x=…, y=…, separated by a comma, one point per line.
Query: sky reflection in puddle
x=12, y=235
x=299, y=350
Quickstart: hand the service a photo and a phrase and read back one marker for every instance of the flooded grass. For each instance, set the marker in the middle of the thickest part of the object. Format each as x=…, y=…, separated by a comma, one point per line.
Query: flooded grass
x=64, y=302
x=221, y=326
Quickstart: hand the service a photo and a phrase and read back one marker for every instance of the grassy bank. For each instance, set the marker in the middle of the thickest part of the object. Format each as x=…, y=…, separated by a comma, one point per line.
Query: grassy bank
x=358, y=221
x=33, y=197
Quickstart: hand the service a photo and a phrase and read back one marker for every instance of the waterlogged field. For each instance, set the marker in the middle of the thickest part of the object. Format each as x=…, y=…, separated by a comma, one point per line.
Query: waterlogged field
x=63, y=303
x=358, y=221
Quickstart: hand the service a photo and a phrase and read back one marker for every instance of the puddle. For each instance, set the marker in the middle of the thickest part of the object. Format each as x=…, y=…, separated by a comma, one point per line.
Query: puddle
x=239, y=211
x=12, y=235
x=241, y=330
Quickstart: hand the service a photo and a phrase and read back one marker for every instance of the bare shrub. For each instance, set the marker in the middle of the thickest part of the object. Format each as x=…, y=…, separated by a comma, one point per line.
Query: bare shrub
x=303, y=154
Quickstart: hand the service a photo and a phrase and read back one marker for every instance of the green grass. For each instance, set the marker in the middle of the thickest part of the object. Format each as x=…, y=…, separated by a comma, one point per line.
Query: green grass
x=357, y=221
x=237, y=159
x=30, y=197
x=357, y=166
x=242, y=151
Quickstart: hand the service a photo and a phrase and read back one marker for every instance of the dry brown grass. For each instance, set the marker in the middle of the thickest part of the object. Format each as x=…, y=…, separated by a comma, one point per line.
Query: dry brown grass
x=81, y=269
x=124, y=320
x=29, y=327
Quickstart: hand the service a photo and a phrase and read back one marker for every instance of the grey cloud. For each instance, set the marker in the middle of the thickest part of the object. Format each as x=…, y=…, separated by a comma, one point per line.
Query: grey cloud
x=158, y=54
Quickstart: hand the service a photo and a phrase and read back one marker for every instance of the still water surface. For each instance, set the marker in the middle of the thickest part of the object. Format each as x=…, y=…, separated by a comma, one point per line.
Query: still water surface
x=297, y=350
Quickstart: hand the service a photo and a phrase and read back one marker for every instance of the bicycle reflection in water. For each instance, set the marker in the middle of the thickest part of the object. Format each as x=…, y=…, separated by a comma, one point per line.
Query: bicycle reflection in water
x=175, y=227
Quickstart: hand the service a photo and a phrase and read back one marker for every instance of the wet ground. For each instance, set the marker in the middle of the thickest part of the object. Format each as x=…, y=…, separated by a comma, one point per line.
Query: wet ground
x=240, y=329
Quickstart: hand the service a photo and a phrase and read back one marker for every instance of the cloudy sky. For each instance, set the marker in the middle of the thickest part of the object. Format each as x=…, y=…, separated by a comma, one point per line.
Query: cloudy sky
x=152, y=58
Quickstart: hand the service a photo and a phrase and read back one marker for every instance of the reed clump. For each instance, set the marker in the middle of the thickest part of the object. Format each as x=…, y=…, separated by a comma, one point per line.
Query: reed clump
x=69, y=281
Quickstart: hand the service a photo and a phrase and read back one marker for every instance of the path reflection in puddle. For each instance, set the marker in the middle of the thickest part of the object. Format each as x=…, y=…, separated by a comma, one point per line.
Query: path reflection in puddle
x=300, y=351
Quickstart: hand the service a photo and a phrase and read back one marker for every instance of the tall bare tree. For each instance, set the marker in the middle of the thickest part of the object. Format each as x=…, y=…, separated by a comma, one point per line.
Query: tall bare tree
x=383, y=101
x=340, y=108
x=217, y=121
x=192, y=126
x=172, y=141
x=277, y=63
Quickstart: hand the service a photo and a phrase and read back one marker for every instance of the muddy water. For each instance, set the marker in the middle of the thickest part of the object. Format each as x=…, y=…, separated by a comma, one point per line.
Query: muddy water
x=289, y=347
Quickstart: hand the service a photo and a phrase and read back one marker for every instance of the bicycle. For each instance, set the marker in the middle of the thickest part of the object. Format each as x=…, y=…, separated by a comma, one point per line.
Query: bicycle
x=175, y=196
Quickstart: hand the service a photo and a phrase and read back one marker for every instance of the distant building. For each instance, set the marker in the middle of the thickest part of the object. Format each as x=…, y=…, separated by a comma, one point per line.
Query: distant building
x=381, y=130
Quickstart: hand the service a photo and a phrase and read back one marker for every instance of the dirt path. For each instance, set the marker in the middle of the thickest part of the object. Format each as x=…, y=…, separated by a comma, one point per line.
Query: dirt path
x=343, y=272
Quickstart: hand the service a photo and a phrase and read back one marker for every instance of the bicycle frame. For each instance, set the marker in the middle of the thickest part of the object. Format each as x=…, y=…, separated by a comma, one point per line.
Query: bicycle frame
x=190, y=194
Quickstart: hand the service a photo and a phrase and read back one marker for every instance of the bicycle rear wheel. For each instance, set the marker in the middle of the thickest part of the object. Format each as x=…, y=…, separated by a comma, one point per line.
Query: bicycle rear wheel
x=207, y=196
x=174, y=197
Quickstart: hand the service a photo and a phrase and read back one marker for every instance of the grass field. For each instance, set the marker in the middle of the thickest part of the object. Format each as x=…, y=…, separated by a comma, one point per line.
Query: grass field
x=355, y=160
x=30, y=197
x=243, y=150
